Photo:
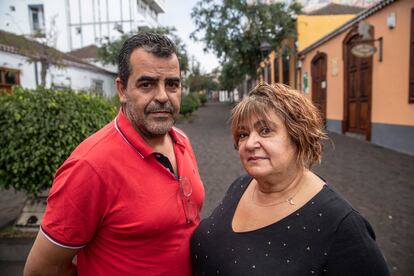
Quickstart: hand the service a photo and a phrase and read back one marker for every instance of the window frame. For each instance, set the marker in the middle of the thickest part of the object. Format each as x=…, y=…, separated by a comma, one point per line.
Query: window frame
x=97, y=86
x=39, y=10
x=3, y=83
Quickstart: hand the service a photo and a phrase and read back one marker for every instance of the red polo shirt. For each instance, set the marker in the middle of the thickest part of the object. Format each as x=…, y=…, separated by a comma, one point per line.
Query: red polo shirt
x=112, y=199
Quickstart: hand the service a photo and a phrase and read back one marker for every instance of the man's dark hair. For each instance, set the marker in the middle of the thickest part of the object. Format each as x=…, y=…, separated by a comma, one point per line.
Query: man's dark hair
x=156, y=44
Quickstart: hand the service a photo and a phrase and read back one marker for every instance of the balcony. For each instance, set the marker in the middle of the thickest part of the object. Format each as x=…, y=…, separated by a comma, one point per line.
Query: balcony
x=157, y=5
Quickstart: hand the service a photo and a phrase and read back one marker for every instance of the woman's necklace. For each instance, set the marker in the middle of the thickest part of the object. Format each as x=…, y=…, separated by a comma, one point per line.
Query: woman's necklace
x=288, y=200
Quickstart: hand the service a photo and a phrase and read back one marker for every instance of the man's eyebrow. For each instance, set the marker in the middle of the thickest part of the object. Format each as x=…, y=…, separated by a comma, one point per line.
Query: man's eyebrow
x=146, y=78
x=175, y=79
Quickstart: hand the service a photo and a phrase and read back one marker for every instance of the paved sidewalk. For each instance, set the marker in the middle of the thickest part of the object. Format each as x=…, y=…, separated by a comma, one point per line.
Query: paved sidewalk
x=378, y=182
x=11, y=204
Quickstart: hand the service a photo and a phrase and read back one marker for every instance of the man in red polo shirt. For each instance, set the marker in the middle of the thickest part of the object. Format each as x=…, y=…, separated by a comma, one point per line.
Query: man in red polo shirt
x=128, y=198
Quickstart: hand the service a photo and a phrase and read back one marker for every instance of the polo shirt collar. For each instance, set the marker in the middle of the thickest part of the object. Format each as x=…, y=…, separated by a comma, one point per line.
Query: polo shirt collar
x=134, y=139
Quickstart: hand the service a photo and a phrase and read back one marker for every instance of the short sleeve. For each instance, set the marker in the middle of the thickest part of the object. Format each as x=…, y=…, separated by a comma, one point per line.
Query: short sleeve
x=75, y=205
x=354, y=250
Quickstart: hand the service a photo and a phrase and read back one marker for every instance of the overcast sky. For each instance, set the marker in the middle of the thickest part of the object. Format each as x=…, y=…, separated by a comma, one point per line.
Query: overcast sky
x=178, y=15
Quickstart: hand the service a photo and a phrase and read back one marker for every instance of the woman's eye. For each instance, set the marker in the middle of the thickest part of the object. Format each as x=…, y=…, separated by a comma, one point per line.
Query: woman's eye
x=265, y=131
x=242, y=135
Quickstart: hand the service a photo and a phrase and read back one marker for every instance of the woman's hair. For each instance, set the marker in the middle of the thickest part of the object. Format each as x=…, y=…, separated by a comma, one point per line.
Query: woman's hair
x=302, y=119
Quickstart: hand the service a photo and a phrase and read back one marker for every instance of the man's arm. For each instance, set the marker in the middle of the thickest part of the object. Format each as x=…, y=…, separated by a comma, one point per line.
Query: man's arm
x=46, y=258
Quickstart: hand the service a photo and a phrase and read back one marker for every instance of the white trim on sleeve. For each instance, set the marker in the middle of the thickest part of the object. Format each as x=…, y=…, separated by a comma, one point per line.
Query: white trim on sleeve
x=59, y=244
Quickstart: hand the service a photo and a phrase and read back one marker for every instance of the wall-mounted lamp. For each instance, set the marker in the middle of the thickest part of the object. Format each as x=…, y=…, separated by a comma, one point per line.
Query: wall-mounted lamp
x=391, y=20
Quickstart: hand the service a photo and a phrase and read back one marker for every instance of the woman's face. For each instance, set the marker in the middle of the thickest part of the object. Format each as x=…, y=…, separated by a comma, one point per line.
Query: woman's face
x=265, y=147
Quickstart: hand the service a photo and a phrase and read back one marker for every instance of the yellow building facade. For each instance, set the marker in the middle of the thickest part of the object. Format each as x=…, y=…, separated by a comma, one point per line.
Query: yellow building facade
x=310, y=28
x=281, y=64
x=370, y=96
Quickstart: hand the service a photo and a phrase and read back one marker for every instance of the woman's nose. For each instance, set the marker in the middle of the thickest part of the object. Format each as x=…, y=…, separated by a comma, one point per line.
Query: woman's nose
x=252, y=141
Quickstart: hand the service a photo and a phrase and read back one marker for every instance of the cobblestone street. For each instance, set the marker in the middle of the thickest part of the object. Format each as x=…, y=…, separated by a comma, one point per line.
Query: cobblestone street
x=378, y=182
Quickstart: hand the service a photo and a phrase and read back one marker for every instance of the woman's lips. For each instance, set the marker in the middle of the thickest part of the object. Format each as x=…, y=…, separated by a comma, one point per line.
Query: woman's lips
x=256, y=158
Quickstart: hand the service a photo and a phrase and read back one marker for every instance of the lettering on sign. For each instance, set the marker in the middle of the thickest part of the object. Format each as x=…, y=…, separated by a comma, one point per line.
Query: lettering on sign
x=363, y=50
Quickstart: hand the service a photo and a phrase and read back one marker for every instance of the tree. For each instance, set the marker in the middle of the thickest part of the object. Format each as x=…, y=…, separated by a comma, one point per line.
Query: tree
x=108, y=52
x=234, y=30
x=198, y=81
x=47, y=55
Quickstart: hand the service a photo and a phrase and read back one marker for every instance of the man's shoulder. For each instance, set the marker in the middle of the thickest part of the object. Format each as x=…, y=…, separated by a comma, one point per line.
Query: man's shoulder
x=97, y=145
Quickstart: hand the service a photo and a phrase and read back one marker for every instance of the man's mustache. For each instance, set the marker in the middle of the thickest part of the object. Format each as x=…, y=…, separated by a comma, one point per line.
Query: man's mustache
x=159, y=107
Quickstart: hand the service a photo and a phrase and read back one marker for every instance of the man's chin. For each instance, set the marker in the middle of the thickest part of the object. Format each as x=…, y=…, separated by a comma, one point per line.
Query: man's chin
x=159, y=128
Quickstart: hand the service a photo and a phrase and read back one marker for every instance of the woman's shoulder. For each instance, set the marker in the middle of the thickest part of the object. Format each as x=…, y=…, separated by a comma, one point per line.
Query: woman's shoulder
x=347, y=216
x=334, y=201
x=240, y=183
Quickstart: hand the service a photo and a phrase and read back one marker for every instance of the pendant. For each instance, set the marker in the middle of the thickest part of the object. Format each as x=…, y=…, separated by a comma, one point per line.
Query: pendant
x=291, y=202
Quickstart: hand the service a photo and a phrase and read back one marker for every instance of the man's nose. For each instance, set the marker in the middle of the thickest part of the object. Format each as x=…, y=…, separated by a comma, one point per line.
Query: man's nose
x=161, y=94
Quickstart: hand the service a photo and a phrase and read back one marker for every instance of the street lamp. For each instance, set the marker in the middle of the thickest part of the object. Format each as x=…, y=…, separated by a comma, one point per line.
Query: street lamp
x=264, y=49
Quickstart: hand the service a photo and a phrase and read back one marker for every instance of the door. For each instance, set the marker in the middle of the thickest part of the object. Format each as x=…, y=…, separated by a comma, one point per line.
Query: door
x=358, y=90
x=319, y=84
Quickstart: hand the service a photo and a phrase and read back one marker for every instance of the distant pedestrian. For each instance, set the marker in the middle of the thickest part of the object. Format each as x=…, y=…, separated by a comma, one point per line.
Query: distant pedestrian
x=282, y=219
x=128, y=198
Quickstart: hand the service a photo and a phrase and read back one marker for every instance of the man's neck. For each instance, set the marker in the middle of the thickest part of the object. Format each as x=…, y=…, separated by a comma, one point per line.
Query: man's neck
x=159, y=143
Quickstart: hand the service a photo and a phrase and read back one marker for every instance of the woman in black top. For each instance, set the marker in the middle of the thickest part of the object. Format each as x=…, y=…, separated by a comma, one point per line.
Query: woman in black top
x=282, y=219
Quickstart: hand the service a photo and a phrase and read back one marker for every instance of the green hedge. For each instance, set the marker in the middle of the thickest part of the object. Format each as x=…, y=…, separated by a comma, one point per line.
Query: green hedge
x=40, y=128
x=203, y=98
x=189, y=103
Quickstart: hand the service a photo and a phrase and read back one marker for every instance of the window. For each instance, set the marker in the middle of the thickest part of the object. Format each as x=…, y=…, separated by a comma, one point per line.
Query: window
x=268, y=74
x=276, y=69
x=97, y=87
x=411, y=76
x=37, y=19
x=285, y=66
x=153, y=14
x=8, y=78
x=142, y=6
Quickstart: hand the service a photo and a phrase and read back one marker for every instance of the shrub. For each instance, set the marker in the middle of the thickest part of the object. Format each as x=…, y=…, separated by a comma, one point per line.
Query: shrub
x=40, y=128
x=195, y=99
x=203, y=98
x=187, y=105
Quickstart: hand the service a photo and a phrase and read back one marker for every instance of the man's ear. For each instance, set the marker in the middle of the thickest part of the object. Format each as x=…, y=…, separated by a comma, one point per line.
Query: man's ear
x=120, y=89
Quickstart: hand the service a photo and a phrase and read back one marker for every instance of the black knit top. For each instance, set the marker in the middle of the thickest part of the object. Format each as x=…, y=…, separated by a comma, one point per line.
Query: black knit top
x=324, y=237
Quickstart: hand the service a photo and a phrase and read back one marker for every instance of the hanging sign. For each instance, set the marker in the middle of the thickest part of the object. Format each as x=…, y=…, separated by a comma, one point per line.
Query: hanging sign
x=363, y=50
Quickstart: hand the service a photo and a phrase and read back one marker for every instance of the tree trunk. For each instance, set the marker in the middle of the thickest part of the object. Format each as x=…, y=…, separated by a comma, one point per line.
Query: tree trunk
x=43, y=72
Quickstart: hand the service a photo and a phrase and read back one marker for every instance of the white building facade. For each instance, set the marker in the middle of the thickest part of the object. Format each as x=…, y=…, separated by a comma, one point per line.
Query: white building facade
x=78, y=76
x=78, y=23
